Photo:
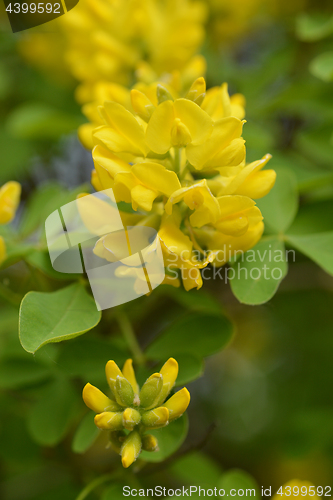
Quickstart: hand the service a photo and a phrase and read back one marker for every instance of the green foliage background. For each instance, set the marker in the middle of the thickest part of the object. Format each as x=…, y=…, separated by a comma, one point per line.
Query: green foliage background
x=260, y=377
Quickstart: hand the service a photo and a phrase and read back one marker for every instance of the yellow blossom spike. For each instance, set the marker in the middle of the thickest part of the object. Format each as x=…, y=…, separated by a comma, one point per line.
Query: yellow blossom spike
x=149, y=443
x=197, y=91
x=142, y=105
x=97, y=401
x=180, y=134
x=112, y=371
x=154, y=419
x=131, y=448
x=124, y=393
x=178, y=403
x=151, y=390
x=169, y=371
x=9, y=200
x=129, y=373
x=131, y=418
x=163, y=94
x=109, y=420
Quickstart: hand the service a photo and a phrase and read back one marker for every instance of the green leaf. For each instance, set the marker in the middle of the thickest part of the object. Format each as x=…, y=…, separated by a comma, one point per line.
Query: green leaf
x=169, y=438
x=197, y=334
x=310, y=28
x=86, y=434
x=255, y=279
x=86, y=357
x=21, y=373
x=238, y=479
x=56, y=316
x=322, y=66
x=50, y=418
x=313, y=218
x=199, y=301
x=280, y=206
x=190, y=368
x=196, y=468
x=318, y=247
x=37, y=120
x=41, y=260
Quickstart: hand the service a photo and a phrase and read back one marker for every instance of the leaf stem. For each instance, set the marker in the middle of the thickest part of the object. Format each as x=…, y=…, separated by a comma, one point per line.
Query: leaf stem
x=129, y=336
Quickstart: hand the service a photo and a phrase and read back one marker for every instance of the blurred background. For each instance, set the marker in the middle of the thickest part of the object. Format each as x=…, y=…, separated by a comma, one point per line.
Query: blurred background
x=265, y=403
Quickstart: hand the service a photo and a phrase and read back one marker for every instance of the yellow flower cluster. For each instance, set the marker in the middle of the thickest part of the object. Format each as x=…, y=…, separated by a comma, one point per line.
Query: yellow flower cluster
x=9, y=201
x=108, y=40
x=129, y=412
x=180, y=162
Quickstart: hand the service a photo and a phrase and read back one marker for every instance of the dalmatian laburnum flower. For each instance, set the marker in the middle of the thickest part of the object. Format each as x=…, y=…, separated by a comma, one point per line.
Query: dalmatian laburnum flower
x=180, y=163
x=9, y=200
x=130, y=412
x=107, y=40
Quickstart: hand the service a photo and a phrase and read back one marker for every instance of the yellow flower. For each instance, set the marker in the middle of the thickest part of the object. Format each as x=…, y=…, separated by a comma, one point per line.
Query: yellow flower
x=297, y=489
x=9, y=200
x=130, y=409
x=108, y=39
x=180, y=163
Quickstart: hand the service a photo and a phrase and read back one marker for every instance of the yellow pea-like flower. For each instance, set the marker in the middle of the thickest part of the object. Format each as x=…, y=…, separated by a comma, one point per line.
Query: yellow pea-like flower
x=135, y=412
x=178, y=404
x=97, y=401
x=131, y=448
x=9, y=200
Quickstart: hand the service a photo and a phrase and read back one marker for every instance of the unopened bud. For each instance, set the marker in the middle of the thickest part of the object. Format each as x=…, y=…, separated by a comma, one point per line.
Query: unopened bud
x=180, y=134
x=124, y=392
x=178, y=403
x=131, y=418
x=109, y=420
x=149, y=443
x=131, y=448
x=154, y=419
x=197, y=91
x=163, y=94
x=151, y=391
x=142, y=105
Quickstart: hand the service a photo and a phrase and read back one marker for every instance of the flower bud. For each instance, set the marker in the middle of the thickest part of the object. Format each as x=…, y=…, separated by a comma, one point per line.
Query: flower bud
x=124, y=391
x=9, y=200
x=149, y=443
x=131, y=418
x=169, y=371
x=97, y=401
x=142, y=105
x=131, y=448
x=128, y=373
x=197, y=91
x=154, y=419
x=163, y=94
x=109, y=420
x=178, y=403
x=180, y=134
x=151, y=391
x=112, y=371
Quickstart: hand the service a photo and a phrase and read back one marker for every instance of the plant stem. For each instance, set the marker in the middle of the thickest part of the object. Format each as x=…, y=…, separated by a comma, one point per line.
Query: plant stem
x=177, y=160
x=91, y=486
x=129, y=336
